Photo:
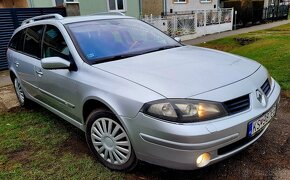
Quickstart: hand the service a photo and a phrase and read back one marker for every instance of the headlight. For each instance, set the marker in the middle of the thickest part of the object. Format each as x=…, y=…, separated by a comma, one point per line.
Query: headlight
x=184, y=110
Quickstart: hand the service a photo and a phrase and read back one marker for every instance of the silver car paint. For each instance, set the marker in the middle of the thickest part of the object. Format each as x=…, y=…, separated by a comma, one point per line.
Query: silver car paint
x=125, y=85
x=183, y=143
x=183, y=72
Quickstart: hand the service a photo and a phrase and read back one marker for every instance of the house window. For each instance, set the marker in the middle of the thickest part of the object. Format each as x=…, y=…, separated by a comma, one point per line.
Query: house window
x=179, y=1
x=205, y=1
x=116, y=5
x=60, y=2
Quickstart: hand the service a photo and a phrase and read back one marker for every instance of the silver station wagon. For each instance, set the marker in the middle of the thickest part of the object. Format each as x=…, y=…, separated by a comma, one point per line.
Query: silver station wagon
x=139, y=94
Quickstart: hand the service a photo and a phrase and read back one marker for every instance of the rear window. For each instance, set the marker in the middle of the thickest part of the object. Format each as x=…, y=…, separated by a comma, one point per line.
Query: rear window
x=32, y=43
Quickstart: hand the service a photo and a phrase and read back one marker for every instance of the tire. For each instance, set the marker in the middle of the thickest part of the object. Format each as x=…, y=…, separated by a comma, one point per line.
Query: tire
x=23, y=101
x=109, y=141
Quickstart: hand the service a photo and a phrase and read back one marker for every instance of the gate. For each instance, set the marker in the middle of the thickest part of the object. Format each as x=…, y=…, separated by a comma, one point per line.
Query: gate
x=11, y=18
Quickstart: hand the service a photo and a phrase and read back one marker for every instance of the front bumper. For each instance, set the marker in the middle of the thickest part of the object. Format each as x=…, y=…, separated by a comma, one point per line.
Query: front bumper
x=178, y=146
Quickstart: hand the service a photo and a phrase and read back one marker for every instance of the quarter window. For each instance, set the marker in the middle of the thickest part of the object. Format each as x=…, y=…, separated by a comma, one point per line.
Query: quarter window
x=14, y=41
x=32, y=45
x=54, y=44
x=116, y=5
x=20, y=42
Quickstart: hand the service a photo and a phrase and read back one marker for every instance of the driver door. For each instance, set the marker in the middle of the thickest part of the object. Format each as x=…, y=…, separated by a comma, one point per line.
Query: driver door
x=57, y=87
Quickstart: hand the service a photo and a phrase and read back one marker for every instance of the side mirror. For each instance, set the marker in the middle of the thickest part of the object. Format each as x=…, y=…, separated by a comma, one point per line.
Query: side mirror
x=178, y=39
x=55, y=63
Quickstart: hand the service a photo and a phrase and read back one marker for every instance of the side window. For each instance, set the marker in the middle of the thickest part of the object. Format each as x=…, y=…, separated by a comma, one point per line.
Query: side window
x=16, y=42
x=21, y=40
x=54, y=44
x=32, y=41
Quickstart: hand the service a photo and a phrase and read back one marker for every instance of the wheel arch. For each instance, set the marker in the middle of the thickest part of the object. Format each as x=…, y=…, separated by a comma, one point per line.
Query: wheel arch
x=93, y=103
x=12, y=75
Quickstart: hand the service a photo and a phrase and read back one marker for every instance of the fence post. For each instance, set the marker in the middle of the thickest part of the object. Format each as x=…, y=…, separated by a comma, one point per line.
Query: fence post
x=219, y=11
x=232, y=18
x=174, y=24
x=204, y=22
x=195, y=21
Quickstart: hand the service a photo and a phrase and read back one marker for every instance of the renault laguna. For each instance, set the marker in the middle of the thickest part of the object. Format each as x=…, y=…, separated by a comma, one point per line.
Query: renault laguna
x=138, y=94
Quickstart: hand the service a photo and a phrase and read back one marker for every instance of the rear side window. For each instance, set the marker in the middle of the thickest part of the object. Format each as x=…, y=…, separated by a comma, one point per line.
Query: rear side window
x=54, y=44
x=21, y=41
x=32, y=43
x=16, y=42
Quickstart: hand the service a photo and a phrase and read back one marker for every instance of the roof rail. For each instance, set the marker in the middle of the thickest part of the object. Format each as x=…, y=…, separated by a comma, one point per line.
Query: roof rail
x=38, y=18
x=109, y=13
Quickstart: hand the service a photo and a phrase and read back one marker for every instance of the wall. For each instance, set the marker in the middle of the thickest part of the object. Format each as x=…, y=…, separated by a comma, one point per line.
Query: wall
x=95, y=6
x=190, y=5
x=154, y=7
x=133, y=8
x=91, y=6
x=40, y=3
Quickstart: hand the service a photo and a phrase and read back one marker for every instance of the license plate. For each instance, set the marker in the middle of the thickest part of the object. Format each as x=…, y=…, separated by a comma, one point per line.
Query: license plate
x=259, y=124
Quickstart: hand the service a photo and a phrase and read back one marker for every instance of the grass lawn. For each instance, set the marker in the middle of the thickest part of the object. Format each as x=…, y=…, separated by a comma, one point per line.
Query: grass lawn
x=35, y=144
x=270, y=47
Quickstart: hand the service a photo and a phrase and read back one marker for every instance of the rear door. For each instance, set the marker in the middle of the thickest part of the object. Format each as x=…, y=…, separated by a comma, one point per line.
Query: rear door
x=26, y=56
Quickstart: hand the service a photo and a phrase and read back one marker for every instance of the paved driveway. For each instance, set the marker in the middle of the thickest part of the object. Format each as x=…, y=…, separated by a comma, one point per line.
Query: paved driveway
x=8, y=99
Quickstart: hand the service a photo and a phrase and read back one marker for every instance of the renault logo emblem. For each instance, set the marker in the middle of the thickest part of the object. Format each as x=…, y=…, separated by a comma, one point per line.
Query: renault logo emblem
x=261, y=97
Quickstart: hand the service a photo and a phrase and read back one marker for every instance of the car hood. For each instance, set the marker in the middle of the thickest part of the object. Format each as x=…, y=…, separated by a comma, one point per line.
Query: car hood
x=182, y=72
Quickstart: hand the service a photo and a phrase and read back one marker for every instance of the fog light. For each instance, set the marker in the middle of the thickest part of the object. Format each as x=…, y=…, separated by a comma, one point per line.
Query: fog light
x=203, y=160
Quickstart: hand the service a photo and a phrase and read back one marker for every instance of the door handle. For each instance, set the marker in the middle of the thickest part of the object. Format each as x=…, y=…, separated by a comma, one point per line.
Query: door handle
x=16, y=64
x=39, y=73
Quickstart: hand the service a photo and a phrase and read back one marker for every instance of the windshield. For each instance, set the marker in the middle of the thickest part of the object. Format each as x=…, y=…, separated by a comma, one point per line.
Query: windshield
x=105, y=40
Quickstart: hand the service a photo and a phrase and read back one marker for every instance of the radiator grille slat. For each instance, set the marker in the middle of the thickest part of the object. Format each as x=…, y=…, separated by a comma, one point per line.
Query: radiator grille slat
x=266, y=87
x=238, y=104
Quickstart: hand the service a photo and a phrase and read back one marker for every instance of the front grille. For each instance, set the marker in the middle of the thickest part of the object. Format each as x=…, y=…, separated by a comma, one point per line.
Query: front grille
x=236, y=145
x=266, y=87
x=237, y=105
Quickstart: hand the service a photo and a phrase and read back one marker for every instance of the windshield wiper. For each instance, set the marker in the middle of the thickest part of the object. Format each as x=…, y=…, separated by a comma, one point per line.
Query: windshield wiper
x=123, y=56
x=113, y=58
x=163, y=48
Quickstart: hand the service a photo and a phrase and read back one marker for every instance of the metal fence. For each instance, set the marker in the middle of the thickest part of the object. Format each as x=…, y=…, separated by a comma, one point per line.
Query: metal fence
x=275, y=12
x=186, y=23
